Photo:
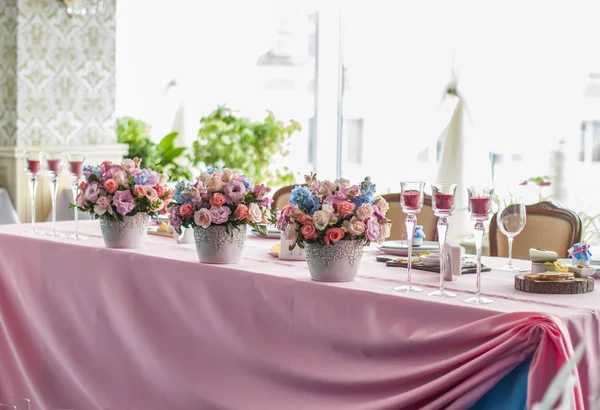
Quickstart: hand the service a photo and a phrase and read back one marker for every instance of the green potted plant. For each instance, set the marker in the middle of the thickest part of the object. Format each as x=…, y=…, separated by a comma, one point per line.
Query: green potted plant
x=226, y=140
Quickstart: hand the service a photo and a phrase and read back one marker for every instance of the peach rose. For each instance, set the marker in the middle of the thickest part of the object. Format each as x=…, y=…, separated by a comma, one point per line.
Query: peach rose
x=111, y=185
x=217, y=199
x=186, y=210
x=160, y=190
x=356, y=226
x=214, y=183
x=364, y=212
x=345, y=208
x=139, y=190
x=382, y=204
x=227, y=175
x=202, y=218
x=309, y=232
x=385, y=231
x=241, y=212
x=304, y=219
x=334, y=235
x=255, y=213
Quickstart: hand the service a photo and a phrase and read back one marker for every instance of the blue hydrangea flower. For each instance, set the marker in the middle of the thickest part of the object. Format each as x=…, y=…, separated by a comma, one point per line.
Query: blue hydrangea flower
x=362, y=199
x=92, y=169
x=211, y=170
x=179, y=197
x=367, y=187
x=247, y=183
x=307, y=202
x=141, y=178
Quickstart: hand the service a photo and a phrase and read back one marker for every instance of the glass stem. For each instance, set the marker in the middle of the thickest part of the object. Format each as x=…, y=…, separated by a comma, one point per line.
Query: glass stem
x=53, y=193
x=74, y=188
x=479, y=231
x=32, y=191
x=510, y=243
x=442, y=228
x=410, y=232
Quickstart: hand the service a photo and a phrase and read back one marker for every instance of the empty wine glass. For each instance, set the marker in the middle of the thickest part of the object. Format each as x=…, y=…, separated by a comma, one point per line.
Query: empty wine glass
x=76, y=162
x=411, y=199
x=33, y=167
x=54, y=165
x=480, y=207
x=443, y=205
x=511, y=219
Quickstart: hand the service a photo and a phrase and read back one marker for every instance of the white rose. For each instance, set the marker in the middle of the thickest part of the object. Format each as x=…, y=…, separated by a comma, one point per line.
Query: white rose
x=164, y=178
x=202, y=218
x=203, y=177
x=326, y=188
x=255, y=213
x=342, y=183
x=290, y=232
x=321, y=219
x=214, y=183
x=356, y=227
x=384, y=233
x=364, y=212
x=328, y=208
x=382, y=204
x=121, y=179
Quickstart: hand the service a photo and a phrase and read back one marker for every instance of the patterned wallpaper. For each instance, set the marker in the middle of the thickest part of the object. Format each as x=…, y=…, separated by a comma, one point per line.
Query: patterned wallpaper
x=65, y=75
x=8, y=72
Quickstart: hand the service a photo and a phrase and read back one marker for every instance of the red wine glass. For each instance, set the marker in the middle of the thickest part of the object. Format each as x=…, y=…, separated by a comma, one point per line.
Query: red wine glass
x=443, y=206
x=33, y=167
x=54, y=166
x=76, y=162
x=411, y=199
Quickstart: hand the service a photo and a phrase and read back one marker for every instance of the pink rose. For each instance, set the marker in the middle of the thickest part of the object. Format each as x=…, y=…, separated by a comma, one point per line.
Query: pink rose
x=214, y=183
x=139, y=190
x=227, y=175
x=151, y=194
x=217, y=199
x=129, y=164
x=111, y=185
x=334, y=235
x=160, y=190
x=202, y=218
x=255, y=213
x=373, y=229
x=364, y=212
x=219, y=215
x=186, y=210
x=309, y=232
x=103, y=205
x=345, y=208
x=290, y=232
x=304, y=219
x=241, y=212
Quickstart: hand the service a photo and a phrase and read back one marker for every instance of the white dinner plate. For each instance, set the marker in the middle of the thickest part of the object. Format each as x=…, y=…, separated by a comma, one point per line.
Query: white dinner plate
x=400, y=248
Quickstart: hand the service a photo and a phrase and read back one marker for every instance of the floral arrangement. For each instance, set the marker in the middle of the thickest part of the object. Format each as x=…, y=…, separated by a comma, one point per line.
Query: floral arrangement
x=114, y=191
x=327, y=212
x=220, y=197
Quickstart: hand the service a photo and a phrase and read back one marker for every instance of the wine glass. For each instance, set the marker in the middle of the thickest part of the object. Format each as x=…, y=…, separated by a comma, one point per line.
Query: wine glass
x=76, y=162
x=480, y=206
x=33, y=167
x=511, y=219
x=54, y=165
x=443, y=206
x=411, y=199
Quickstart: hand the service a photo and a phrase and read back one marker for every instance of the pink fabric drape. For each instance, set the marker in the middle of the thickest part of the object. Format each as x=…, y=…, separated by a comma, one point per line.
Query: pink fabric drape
x=88, y=328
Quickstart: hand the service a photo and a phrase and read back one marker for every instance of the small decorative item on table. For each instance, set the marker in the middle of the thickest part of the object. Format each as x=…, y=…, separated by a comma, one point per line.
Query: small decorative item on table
x=419, y=236
x=33, y=167
x=332, y=221
x=480, y=206
x=580, y=252
x=219, y=206
x=123, y=197
x=559, y=279
x=411, y=199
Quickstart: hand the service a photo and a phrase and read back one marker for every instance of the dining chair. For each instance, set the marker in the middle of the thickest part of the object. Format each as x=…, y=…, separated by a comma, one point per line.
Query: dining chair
x=548, y=226
x=282, y=196
x=426, y=218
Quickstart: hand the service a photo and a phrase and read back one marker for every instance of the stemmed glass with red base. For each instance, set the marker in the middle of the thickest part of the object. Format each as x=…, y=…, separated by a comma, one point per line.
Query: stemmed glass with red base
x=33, y=167
x=76, y=162
x=54, y=165
x=443, y=206
x=411, y=199
x=480, y=207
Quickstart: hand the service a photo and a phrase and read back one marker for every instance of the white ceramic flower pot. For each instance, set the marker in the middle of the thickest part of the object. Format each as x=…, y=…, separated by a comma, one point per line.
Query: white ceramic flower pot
x=129, y=233
x=215, y=245
x=186, y=236
x=337, y=262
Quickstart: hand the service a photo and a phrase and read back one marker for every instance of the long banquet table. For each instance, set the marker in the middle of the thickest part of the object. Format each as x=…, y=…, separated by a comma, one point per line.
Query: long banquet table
x=86, y=327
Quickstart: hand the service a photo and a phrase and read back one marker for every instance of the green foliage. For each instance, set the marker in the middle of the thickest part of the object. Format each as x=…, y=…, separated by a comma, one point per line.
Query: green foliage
x=226, y=140
x=161, y=157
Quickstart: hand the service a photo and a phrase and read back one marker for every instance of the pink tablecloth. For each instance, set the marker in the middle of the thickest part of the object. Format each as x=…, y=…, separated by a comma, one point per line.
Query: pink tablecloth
x=87, y=327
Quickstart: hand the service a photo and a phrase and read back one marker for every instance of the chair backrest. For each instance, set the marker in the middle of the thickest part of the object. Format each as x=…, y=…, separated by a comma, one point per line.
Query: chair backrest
x=426, y=218
x=282, y=196
x=548, y=227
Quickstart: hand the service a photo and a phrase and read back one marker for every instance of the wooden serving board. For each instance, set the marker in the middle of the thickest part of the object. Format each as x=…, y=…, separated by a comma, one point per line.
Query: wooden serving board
x=564, y=287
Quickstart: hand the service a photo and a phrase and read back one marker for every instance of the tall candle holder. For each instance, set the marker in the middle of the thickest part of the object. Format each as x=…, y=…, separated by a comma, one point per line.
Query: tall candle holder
x=411, y=199
x=54, y=166
x=33, y=167
x=480, y=207
x=443, y=206
x=76, y=162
